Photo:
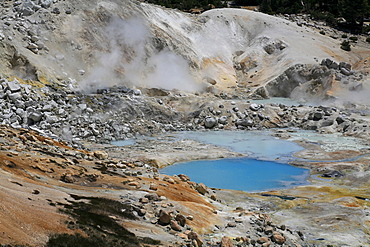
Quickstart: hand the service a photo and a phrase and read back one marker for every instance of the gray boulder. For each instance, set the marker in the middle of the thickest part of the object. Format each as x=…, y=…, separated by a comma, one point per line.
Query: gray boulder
x=269, y=49
x=326, y=62
x=35, y=116
x=164, y=218
x=254, y=107
x=340, y=119
x=15, y=96
x=13, y=86
x=210, y=122
x=317, y=116
x=28, y=8
x=82, y=106
x=240, y=115
x=45, y=3
x=56, y=11
x=346, y=72
x=181, y=219
x=327, y=123
x=332, y=174
x=20, y=112
x=32, y=46
x=333, y=65
x=201, y=188
x=50, y=118
x=48, y=107
x=222, y=120
x=345, y=65
x=244, y=122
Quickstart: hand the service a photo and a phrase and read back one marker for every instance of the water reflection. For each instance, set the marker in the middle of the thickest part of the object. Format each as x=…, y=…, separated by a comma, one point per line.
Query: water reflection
x=257, y=172
x=245, y=174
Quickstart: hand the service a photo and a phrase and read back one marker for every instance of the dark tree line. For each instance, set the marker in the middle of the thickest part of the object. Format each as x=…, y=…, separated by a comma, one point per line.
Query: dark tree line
x=353, y=11
x=186, y=5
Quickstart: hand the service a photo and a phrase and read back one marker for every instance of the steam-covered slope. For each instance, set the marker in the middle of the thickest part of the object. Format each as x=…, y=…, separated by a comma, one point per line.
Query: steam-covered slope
x=103, y=43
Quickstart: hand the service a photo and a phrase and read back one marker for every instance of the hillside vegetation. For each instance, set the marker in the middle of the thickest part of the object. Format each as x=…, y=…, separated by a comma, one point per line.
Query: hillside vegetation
x=341, y=13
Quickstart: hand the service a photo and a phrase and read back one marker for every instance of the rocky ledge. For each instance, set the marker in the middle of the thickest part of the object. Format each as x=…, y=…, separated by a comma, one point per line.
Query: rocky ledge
x=119, y=113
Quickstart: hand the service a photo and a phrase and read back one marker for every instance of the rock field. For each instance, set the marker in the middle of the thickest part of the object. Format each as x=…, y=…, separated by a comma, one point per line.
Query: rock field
x=77, y=75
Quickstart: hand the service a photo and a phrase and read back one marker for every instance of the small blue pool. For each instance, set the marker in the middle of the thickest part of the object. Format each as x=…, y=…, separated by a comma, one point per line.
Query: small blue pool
x=245, y=174
x=255, y=173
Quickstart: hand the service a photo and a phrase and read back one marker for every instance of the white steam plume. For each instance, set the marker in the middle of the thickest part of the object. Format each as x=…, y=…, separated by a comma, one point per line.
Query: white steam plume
x=130, y=60
x=359, y=97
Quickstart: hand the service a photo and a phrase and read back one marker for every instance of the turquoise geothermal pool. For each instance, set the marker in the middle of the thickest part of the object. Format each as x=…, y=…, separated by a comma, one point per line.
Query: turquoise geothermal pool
x=245, y=174
x=260, y=171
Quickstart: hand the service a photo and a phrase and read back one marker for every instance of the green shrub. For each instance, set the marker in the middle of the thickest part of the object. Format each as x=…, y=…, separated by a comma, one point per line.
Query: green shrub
x=368, y=39
x=344, y=36
x=345, y=45
x=322, y=32
x=366, y=29
x=353, y=38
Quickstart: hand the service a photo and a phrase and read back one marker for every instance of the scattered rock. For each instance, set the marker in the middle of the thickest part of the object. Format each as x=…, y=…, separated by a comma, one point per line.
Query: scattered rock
x=102, y=155
x=35, y=192
x=169, y=180
x=153, y=186
x=175, y=226
x=266, y=244
x=144, y=200
x=278, y=238
x=182, y=235
x=195, y=236
x=269, y=230
x=226, y=242
x=164, y=218
x=201, y=188
x=254, y=107
x=244, y=122
x=134, y=184
x=231, y=224
x=68, y=178
x=181, y=219
x=190, y=217
x=317, y=116
x=210, y=122
x=183, y=177
x=262, y=240
x=222, y=120
x=210, y=80
x=152, y=197
x=13, y=86
x=332, y=174
x=346, y=72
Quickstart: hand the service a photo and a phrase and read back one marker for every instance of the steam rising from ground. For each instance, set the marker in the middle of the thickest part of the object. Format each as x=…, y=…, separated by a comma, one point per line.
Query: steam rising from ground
x=359, y=97
x=130, y=60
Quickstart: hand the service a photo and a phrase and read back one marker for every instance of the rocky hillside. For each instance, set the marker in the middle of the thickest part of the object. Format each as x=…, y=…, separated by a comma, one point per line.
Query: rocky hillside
x=103, y=70
x=94, y=44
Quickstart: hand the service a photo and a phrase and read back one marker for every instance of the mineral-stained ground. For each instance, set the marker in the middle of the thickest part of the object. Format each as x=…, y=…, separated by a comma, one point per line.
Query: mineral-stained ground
x=77, y=75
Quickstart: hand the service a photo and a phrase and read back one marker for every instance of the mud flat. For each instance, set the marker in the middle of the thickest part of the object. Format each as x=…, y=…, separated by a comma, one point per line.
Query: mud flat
x=332, y=209
x=60, y=181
